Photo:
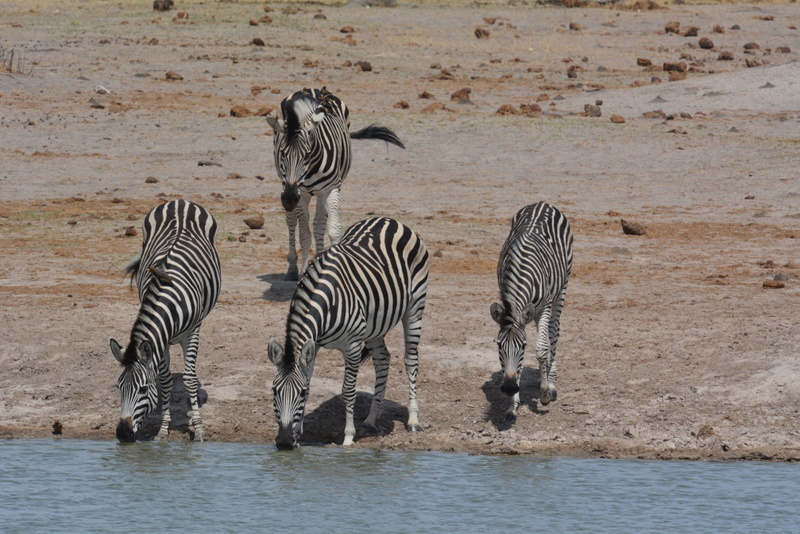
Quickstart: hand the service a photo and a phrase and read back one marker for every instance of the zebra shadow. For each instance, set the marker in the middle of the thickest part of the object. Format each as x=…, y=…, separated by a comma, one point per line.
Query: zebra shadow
x=180, y=422
x=279, y=290
x=499, y=402
x=325, y=424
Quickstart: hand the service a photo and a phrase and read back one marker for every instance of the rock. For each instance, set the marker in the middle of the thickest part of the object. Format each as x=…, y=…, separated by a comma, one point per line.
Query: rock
x=347, y=29
x=691, y=31
x=433, y=108
x=490, y=20
x=655, y=114
x=675, y=67
x=255, y=223
x=363, y=66
x=752, y=62
x=574, y=26
x=672, y=27
x=617, y=119
x=725, y=56
x=751, y=46
x=462, y=95
x=705, y=432
x=266, y=19
x=507, y=109
x=174, y=76
x=257, y=41
x=677, y=76
x=163, y=5
x=632, y=228
x=773, y=284
x=321, y=16
x=253, y=22
x=151, y=180
x=783, y=50
x=427, y=95
x=736, y=27
x=592, y=111
x=235, y=176
x=705, y=43
x=240, y=112
x=718, y=29
x=130, y=231
x=643, y=62
x=402, y=104
x=481, y=33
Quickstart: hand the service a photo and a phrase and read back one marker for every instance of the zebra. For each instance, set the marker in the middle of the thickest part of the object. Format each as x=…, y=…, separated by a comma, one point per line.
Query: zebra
x=349, y=298
x=312, y=157
x=178, y=278
x=532, y=275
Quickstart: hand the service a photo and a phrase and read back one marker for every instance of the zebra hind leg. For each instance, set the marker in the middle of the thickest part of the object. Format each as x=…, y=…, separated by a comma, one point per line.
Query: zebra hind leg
x=381, y=358
x=192, y=384
x=412, y=325
x=546, y=389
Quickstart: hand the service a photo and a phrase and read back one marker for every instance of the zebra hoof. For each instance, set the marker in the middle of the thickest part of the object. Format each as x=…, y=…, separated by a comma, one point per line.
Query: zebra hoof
x=553, y=395
x=370, y=430
x=510, y=417
x=545, y=398
x=415, y=428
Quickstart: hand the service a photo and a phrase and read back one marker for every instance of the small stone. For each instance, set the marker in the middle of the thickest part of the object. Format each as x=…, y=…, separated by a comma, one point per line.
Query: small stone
x=240, y=112
x=643, y=62
x=130, y=231
x=163, y=5
x=363, y=66
x=235, y=176
x=242, y=239
x=705, y=43
x=257, y=41
x=692, y=31
x=655, y=114
x=751, y=46
x=402, y=104
x=736, y=27
x=266, y=19
x=481, y=33
x=255, y=223
x=675, y=67
x=347, y=29
x=253, y=22
x=783, y=50
x=151, y=180
x=632, y=228
x=725, y=56
x=462, y=95
x=426, y=95
x=677, y=76
x=574, y=26
x=174, y=76
x=718, y=29
x=752, y=62
x=592, y=111
x=773, y=284
x=507, y=109
x=672, y=27
x=617, y=119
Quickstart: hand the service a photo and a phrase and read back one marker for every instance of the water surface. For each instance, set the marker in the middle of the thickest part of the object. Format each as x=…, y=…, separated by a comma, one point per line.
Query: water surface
x=97, y=486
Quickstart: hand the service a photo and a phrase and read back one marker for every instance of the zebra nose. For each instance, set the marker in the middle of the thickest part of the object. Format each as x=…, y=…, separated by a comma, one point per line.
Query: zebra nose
x=285, y=439
x=125, y=432
x=290, y=197
x=509, y=386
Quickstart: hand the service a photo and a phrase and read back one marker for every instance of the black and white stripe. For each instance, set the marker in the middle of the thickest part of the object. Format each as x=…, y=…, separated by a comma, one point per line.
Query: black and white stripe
x=532, y=275
x=312, y=157
x=349, y=298
x=178, y=277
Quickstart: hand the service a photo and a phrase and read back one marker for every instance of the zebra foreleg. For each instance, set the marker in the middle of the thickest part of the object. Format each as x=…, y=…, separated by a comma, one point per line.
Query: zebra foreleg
x=334, y=225
x=320, y=220
x=165, y=377
x=412, y=326
x=305, y=231
x=547, y=391
x=190, y=381
x=352, y=360
x=381, y=358
x=291, y=223
x=554, y=330
x=511, y=413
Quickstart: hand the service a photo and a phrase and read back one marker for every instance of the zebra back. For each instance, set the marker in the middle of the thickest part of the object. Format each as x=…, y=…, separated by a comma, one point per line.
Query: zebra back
x=536, y=258
x=361, y=287
x=177, y=272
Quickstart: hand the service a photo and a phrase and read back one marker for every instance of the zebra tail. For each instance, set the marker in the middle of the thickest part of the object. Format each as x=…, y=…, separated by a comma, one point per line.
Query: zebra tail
x=381, y=133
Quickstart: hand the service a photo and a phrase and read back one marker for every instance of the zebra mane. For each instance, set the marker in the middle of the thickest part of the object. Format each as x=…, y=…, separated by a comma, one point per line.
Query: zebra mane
x=507, y=319
x=298, y=109
x=130, y=357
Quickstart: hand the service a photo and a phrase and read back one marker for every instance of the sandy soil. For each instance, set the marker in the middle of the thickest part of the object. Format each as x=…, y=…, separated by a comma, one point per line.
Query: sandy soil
x=672, y=345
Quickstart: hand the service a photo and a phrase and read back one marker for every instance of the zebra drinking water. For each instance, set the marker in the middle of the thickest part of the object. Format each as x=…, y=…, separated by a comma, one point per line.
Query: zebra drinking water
x=532, y=275
x=178, y=277
x=349, y=298
x=312, y=157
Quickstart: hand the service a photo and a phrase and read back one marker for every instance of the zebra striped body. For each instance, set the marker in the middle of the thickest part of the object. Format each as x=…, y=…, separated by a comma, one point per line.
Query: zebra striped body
x=532, y=275
x=178, y=278
x=350, y=297
x=312, y=157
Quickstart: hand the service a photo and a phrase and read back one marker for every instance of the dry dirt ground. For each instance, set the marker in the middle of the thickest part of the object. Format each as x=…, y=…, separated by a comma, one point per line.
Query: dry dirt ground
x=673, y=344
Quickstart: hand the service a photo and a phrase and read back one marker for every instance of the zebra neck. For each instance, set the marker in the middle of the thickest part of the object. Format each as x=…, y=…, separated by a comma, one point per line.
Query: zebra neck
x=143, y=331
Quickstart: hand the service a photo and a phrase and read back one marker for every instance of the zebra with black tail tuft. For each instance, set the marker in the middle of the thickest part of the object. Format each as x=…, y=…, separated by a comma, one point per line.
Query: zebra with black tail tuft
x=349, y=298
x=532, y=275
x=312, y=157
x=178, y=278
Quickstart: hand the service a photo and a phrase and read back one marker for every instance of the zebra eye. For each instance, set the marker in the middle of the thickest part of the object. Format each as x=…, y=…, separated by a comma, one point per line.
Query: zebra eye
x=143, y=389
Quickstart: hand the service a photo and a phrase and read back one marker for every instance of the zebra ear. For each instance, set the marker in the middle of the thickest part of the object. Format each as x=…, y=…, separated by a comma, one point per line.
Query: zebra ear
x=308, y=353
x=529, y=313
x=145, y=352
x=275, y=352
x=496, y=310
x=277, y=124
x=116, y=350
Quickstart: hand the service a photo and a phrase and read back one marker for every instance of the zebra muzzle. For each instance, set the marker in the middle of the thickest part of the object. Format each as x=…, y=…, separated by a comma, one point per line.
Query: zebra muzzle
x=125, y=431
x=285, y=440
x=290, y=197
x=509, y=386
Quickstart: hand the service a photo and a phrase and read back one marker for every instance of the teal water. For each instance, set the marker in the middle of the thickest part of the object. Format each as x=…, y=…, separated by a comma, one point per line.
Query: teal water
x=96, y=486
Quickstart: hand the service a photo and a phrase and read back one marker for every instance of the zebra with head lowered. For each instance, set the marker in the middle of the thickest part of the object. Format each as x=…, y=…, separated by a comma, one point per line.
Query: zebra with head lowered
x=312, y=157
x=532, y=275
x=178, y=277
x=349, y=298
